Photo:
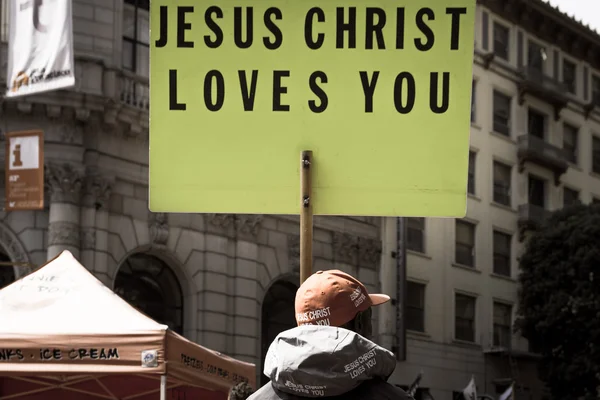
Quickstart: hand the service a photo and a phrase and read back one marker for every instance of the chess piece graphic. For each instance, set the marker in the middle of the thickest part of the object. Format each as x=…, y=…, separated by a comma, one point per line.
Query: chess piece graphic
x=17, y=162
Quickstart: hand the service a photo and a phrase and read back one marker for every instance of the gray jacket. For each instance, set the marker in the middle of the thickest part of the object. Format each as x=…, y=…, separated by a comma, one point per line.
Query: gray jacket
x=313, y=361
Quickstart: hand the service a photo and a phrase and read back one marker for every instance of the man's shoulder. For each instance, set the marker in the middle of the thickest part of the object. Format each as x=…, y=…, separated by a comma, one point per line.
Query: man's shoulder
x=268, y=393
x=372, y=389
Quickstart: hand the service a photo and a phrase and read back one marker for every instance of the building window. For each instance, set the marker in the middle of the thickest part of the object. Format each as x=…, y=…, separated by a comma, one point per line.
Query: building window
x=570, y=197
x=465, y=243
x=535, y=57
x=537, y=191
x=415, y=306
x=502, y=113
x=570, y=76
x=501, y=41
x=502, y=183
x=502, y=325
x=473, y=99
x=471, y=181
x=149, y=285
x=277, y=315
x=570, y=134
x=7, y=272
x=415, y=234
x=595, y=155
x=536, y=123
x=464, y=317
x=596, y=89
x=502, y=253
x=136, y=37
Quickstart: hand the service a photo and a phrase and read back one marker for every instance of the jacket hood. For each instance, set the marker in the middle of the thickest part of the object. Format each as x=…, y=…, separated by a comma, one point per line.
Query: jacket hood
x=324, y=361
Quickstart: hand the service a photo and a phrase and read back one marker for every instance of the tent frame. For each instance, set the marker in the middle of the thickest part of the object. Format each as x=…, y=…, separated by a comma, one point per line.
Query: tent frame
x=63, y=383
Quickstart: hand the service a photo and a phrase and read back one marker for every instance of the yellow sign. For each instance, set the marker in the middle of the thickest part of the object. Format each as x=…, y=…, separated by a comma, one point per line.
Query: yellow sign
x=378, y=90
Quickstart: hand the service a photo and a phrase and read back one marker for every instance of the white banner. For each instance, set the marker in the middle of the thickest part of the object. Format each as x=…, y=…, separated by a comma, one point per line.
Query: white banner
x=40, y=46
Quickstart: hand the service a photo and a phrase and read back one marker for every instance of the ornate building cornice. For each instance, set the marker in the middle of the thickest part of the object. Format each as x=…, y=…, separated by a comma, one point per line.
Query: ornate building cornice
x=64, y=183
x=369, y=252
x=158, y=226
x=96, y=192
x=220, y=221
x=64, y=234
x=550, y=25
x=345, y=248
x=356, y=250
x=246, y=224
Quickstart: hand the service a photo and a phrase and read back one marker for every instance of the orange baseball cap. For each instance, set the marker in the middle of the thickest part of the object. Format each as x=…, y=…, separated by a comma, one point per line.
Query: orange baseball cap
x=333, y=298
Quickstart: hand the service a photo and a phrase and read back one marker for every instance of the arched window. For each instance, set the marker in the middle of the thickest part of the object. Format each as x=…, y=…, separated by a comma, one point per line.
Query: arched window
x=7, y=272
x=148, y=284
x=277, y=315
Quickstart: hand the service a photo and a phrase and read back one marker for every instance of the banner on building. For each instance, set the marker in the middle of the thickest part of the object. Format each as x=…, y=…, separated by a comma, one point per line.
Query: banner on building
x=40, y=47
x=24, y=171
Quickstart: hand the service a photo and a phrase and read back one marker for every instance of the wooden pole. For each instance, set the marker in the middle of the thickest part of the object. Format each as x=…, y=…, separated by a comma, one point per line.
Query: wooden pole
x=306, y=216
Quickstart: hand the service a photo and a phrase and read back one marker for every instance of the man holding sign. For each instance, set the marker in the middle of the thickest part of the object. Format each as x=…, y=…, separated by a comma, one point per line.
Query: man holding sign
x=330, y=353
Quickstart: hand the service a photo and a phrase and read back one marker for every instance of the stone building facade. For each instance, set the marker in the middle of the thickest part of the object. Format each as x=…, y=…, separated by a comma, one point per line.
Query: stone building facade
x=534, y=148
x=228, y=281
x=224, y=281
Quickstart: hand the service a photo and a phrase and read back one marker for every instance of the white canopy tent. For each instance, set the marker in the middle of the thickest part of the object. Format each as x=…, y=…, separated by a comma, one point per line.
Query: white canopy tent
x=63, y=333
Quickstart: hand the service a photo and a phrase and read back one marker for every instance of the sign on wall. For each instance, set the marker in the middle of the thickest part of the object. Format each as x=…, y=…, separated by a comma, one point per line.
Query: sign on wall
x=24, y=159
x=40, y=47
x=380, y=92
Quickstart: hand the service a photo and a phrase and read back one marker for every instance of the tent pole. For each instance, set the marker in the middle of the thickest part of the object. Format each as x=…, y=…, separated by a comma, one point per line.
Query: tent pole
x=163, y=387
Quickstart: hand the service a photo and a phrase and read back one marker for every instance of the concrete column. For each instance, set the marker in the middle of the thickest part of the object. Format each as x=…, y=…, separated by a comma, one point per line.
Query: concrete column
x=93, y=208
x=101, y=261
x=64, y=183
x=387, y=277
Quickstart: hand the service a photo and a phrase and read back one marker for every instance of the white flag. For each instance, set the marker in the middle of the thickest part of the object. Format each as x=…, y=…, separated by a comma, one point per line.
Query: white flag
x=40, y=47
x=470, y=392
x=507, y=393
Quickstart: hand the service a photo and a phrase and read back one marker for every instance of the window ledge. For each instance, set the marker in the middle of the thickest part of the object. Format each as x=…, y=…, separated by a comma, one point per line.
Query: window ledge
x=418, y=254
x=595, y=175
x=503, y=277
x=466, y=267
x=418, y=335
x=502, y=61
x=503, y=207
x=475, y=125
x=576, y=167
x=473, y=197
x=503, y=137
x=575, y=97
x=466, y=343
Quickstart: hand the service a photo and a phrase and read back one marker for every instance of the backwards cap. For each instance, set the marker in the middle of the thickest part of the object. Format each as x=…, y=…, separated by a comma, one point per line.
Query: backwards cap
x=333, y=298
